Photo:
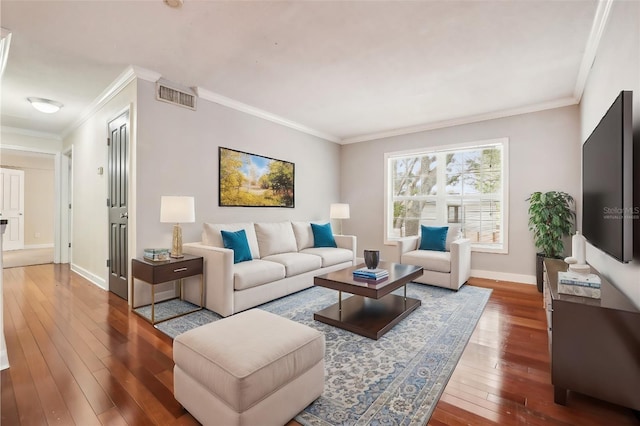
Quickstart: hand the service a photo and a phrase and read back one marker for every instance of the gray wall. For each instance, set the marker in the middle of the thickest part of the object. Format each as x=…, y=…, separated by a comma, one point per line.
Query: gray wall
x=177, y=154
x=616, y=68
x=543, y=156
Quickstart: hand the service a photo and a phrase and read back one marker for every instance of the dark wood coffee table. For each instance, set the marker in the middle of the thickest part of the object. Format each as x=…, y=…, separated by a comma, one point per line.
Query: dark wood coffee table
x=372, y=310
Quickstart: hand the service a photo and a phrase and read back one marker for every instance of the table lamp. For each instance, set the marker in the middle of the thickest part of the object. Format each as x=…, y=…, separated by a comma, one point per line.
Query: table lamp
x=339, y=211
x=177, y=210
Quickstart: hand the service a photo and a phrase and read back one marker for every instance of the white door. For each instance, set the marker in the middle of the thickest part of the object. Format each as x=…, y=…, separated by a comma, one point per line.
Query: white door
x=12, y=207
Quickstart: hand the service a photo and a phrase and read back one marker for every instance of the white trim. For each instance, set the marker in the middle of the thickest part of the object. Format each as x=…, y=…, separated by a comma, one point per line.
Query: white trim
x=145, y=74
x=591, y=49
x=210, y=96
x=39, y=246
x=504, y=276
x=4, y=356
x=503, y=142
x=128, y=75
x=32, y=133
x=30, y=149
x=5, y=45
x=462, y=120
x=57, y=178
x=92, y=278
x=63, y=250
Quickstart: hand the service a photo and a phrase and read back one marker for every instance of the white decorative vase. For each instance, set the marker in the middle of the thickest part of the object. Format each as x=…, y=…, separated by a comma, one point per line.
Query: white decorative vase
x=578, y=248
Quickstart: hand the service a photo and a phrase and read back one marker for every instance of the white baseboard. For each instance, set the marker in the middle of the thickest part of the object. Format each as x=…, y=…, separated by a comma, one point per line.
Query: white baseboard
x=94, y=279
x=504, y=276
x=38, y=246
x=4, y=356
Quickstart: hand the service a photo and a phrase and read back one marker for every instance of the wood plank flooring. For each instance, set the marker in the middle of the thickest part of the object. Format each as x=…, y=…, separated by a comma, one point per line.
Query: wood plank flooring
x=79, y=356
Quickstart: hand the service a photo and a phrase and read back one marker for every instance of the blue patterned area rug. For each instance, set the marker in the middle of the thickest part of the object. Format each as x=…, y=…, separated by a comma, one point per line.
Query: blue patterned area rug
x=396, y=380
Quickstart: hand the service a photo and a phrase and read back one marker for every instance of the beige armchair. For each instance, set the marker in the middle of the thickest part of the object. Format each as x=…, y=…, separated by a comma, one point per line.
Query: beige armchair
x=449, y=269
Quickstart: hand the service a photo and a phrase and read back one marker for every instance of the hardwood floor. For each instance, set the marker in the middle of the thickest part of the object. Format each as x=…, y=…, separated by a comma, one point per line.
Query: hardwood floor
x=78, y=356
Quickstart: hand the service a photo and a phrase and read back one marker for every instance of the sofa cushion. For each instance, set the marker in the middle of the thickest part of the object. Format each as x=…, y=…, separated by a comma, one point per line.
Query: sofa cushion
x=438, y=261
x=256, y=272
x=433, y=237
x=453, y=234
x=275, y=238
x=237, y=241
x=211, y=235
x=303, y=233
x=323, y=235
x=330, y=256
x=296, y=263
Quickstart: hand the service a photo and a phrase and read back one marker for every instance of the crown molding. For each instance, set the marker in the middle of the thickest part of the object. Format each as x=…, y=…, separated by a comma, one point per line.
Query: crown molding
x=30, y=150
x=591, y=49
x=145, y=74
x=31, y=133
x=559, y=103
x=5, y=44
x=127, y=76
x=256, y=112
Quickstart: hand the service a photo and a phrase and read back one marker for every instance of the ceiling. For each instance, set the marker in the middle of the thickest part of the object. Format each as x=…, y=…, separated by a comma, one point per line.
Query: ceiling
x=348, y=70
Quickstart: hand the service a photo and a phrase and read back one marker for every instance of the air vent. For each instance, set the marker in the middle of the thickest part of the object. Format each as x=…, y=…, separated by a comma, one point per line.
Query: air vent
x=172, y=94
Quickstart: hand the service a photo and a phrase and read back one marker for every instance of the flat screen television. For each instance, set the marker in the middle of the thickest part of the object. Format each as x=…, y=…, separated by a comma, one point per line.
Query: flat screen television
x=607, y=182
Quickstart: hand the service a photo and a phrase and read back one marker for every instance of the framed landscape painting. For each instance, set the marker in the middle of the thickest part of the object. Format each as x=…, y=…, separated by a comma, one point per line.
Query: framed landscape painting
x=250, y=180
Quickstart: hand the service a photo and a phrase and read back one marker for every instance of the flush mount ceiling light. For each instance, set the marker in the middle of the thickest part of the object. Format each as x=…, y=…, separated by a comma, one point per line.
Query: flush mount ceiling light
x=45, y=105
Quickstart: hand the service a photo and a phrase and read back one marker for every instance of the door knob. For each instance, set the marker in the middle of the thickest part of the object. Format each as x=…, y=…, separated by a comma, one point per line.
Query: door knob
x=124, y=215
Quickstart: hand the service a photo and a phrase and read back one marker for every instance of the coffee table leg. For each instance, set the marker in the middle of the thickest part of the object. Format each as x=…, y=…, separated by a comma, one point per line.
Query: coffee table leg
x=405, y=296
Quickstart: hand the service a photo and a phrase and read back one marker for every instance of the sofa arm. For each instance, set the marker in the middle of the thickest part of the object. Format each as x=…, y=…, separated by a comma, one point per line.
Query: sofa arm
x=406, y=245
x=348, y=242
x=460, y=262
x=218, y=276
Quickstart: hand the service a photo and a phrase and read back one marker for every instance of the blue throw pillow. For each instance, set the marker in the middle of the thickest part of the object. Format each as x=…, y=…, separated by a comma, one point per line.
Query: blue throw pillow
x=323, y=235
x=237, y=241
x=433, y=238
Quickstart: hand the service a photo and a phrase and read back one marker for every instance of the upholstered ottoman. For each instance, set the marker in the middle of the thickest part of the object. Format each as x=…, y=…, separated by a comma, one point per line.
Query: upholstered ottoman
x=253, y=368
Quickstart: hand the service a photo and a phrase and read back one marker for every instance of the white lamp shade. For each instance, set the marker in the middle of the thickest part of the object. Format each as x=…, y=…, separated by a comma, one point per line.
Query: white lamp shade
x=339, y=211
x=177, y=209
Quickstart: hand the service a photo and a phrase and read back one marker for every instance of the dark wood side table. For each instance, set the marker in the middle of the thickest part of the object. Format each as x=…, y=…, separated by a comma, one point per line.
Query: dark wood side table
x=160, y=272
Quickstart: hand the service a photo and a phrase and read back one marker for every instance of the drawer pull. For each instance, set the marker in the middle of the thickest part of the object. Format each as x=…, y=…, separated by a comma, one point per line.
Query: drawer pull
x=180, y=270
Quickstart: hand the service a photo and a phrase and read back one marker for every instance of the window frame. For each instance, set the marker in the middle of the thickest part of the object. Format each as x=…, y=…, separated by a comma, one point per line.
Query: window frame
x=504, y=224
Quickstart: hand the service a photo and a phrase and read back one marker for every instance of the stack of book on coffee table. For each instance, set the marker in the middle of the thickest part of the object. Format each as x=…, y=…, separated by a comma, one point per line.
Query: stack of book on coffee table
x=370, y=274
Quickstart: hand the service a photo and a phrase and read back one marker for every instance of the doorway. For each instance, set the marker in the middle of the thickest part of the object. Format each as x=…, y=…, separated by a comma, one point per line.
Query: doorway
x=12, y=207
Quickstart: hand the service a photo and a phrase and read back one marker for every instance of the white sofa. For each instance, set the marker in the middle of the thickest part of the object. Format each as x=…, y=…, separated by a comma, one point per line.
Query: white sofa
x=450, y=268
x=284, y=260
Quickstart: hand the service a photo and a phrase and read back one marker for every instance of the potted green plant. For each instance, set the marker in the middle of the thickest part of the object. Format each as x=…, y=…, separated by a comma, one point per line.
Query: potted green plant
x=551, y=217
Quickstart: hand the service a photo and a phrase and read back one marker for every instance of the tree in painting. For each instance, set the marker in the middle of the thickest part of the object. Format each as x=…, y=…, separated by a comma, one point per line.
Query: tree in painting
x=253, y=180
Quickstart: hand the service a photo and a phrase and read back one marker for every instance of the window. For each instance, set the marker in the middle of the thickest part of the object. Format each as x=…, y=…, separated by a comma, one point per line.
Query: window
x=465, y=185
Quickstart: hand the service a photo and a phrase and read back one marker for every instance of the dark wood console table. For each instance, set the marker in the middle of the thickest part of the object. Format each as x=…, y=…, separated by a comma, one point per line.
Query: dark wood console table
x=594, y=343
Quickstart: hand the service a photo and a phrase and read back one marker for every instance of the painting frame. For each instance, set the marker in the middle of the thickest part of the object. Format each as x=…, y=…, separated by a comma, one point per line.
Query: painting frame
x=253, y=180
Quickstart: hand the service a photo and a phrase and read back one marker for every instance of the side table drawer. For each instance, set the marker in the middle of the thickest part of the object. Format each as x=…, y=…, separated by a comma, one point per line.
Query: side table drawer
x=170, y=272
